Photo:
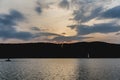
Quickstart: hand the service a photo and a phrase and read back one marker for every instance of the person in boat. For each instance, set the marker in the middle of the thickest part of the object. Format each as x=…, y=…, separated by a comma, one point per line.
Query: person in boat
x=8, y=59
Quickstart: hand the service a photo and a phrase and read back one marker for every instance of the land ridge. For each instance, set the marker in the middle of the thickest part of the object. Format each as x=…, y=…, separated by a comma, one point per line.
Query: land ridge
x=52, y=50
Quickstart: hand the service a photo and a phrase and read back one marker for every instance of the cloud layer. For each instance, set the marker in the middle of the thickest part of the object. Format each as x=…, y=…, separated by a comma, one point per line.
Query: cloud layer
x=59, y=20
x=8, y=22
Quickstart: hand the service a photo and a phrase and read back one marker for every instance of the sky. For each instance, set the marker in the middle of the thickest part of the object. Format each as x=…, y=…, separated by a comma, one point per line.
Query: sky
x=59, y=21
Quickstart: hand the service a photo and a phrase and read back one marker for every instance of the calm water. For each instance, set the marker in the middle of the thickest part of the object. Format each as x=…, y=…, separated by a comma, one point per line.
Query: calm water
x=60, y=69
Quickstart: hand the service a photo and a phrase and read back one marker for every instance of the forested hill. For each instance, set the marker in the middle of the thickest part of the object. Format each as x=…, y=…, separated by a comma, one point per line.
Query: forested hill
x=50, y=50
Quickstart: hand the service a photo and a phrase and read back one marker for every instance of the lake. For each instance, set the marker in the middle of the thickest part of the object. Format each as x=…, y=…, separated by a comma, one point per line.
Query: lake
x=60, y=69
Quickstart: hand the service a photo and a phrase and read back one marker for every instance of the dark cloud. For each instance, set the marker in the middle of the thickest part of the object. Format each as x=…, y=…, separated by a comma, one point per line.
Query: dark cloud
x=11, y=18
x=15, y=35
x=86, y=10
x=35, y=29
x=95, y=11
x=97, y=28
x=64, y=4
x=47, y=34
x=8, y=22
x=72, y=26
x=13, y=15
x=44, y=4
x=69, y=39
x=112, y=13
x=38, y=9
x=79, y=15
x=60, y=38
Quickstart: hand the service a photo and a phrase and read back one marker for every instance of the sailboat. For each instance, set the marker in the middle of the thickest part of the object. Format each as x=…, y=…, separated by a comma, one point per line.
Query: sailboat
x=88, y=55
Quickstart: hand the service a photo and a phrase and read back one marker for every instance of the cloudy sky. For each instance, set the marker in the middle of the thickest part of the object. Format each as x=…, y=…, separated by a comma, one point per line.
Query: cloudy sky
x=59, y=21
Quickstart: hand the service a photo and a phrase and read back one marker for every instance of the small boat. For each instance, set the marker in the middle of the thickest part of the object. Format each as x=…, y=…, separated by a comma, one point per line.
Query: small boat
x=8, y=60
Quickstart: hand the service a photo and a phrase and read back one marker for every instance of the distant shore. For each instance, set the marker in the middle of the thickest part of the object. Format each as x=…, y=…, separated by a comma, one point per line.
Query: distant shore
x=50, y=50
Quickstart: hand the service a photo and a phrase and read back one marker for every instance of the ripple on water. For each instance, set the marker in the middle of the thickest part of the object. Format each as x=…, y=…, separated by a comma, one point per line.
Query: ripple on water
x=60, y=69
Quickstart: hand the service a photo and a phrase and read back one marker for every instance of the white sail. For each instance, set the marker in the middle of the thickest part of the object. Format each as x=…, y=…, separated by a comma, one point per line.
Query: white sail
x=88, y=55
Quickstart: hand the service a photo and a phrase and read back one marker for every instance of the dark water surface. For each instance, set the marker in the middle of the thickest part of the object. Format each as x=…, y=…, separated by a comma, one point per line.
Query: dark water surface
x=60, y=69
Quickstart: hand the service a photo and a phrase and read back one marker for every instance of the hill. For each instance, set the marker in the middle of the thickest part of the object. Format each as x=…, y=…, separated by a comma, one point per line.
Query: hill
x=50, y=50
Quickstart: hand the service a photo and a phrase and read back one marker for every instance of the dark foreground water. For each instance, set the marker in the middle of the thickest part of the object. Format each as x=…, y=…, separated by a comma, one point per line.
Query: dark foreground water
x=60, y=69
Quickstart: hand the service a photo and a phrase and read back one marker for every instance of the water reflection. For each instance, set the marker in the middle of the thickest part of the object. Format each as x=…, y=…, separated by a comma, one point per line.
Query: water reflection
x=39, y=69
x=60, y=69
x=99, y=69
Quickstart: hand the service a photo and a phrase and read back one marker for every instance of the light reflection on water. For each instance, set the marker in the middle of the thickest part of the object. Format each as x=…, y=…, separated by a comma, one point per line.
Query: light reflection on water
x=60, y=69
